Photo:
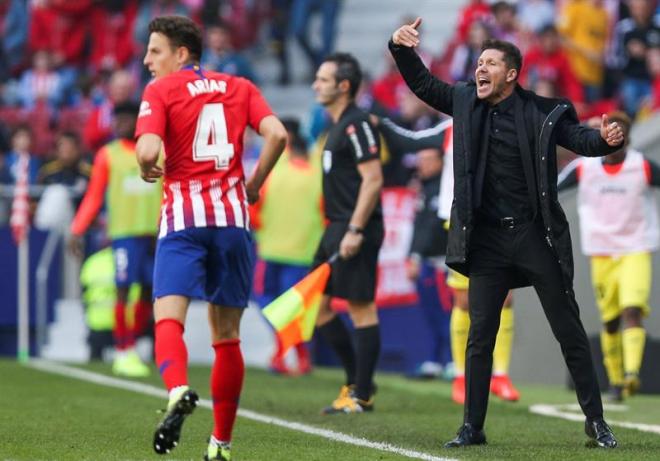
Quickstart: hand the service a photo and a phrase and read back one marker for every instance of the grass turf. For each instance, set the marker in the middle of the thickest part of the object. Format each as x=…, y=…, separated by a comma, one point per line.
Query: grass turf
x=52, y=417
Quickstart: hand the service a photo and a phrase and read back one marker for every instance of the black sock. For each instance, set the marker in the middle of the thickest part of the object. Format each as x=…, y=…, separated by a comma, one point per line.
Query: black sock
x=367, y=346
x=336, y=333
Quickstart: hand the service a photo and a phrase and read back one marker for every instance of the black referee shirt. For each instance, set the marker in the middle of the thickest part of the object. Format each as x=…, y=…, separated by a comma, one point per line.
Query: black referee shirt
x=504, y=190
x=352, y=140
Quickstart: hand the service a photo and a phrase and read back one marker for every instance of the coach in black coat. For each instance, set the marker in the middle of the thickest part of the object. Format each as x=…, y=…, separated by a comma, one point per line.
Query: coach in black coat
x=507, y=227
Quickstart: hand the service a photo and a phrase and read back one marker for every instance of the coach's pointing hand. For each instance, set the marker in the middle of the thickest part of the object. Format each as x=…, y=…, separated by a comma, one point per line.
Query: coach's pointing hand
x=407, y=35
x=612, y=133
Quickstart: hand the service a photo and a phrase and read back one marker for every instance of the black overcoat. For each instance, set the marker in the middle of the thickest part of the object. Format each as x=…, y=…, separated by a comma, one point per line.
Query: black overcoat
x=543, y=121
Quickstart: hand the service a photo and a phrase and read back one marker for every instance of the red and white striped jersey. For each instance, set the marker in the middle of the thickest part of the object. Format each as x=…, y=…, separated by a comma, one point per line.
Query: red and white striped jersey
x=201, y=117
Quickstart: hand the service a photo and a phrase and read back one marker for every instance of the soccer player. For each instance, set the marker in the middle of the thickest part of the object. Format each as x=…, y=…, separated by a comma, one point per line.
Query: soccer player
x=204, y=247
x=352, y=181
x=288, y=222
x=619, y=230
x=132, y=207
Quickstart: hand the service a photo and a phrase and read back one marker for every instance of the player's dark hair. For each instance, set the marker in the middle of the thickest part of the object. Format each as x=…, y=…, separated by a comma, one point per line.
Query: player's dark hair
x=512, y=56
x=348, y=68
x=180, y=31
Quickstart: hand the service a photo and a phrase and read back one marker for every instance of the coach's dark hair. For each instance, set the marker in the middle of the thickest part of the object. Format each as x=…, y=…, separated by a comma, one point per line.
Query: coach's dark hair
x=180, y=31
x=348, y=68
x=512, y=56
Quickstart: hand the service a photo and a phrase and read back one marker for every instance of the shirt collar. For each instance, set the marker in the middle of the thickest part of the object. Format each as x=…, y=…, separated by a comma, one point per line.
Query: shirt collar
x=506, y=104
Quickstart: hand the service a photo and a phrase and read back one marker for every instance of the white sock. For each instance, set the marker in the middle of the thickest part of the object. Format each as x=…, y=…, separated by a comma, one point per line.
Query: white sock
x=220, y=443
x=175, y=393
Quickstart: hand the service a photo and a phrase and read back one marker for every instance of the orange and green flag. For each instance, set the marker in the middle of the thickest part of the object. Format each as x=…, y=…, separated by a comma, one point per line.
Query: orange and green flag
x=293, y=313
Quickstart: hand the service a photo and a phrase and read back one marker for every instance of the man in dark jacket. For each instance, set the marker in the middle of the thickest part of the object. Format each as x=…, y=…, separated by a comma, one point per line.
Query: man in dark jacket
x=507, y=228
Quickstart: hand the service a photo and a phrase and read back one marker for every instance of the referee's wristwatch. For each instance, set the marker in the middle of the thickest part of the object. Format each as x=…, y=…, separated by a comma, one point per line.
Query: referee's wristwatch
x=353, y=229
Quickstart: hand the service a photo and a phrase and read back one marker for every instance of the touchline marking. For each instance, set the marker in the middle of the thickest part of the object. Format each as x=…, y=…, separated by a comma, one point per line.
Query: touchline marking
x=559, y=411
x=147, y=389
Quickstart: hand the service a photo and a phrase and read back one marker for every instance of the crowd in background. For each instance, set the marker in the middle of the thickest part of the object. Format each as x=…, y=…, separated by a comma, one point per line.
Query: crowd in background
x=65, y=64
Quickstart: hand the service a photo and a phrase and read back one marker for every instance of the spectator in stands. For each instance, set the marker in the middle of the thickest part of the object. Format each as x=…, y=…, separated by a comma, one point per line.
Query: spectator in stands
x=279, y=33
x=534, y=15
x=21, y=142
x=220, y=56
x=15, y=34
x=69, y=168
x=549, y=62
x=633, y=37
x=474, y=11
x=112, y=34
x=149, y=10
x=60, y=26
x=505, y=23
x=464, y=61
x=302, y=12
x=98, y=129
x=42, y=84
x=584, y=24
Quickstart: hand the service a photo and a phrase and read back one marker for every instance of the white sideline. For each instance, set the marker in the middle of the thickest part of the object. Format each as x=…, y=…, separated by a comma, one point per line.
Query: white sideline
x=564, y=411
x=109, y=381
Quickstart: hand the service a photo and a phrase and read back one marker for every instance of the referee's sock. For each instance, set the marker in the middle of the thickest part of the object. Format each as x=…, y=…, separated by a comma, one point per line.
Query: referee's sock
x=171, y=353
x=611, y=347
x=336, y=334
x=367, y=347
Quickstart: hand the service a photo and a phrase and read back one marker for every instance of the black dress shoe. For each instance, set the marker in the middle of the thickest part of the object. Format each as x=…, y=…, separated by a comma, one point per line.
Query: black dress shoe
x=467, y=435
x=600, y=433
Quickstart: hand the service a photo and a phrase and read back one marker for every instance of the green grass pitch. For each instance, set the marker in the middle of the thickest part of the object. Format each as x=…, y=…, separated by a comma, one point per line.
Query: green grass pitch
x=51, y=417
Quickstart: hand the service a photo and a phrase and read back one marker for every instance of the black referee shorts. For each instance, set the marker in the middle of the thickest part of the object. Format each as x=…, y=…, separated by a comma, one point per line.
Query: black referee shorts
x=353, y=279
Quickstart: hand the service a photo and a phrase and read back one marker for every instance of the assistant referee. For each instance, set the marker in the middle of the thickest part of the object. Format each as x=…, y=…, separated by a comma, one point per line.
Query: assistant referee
x=352, y=182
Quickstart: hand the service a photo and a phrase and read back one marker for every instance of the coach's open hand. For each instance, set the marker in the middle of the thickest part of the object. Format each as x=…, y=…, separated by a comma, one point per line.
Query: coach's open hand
x=611, y=132
x=350, y=245
x=407, y=35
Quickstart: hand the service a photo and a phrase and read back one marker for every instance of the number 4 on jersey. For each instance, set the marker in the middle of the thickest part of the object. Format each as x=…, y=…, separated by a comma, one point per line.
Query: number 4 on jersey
x=211, y=141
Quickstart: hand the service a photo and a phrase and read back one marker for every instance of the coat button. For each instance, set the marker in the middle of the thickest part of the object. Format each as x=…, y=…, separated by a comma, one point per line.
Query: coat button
x=549, y=123
x=464, y=227
x=548, y=229
x=543, y=194
x=542, y=158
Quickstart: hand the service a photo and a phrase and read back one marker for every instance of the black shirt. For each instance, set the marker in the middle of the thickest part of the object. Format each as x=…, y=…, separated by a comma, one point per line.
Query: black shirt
x=649, y=36
x=504, y=191
x=352, y=140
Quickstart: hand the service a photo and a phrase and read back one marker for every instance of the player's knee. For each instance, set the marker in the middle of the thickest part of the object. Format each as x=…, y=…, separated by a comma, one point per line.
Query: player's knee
x=461, y=300
x=612, y=326
x=632, y=317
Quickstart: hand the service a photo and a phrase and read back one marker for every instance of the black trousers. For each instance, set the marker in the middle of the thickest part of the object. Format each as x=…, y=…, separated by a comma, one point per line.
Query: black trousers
x=496, y=256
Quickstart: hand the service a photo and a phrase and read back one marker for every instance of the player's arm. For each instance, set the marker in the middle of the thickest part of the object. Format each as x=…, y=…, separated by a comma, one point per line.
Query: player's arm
x=652, y=172
x=91, y=203
x=147, y=150
x=274, y=134
x=404, y=140
x=569, y=177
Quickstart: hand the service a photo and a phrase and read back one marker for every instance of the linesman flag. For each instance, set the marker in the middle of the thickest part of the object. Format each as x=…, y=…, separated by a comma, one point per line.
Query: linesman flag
x=293, y=313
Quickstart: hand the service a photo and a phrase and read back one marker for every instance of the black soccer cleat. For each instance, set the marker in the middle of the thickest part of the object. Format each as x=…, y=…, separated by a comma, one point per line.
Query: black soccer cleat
x=600, y=434
x=167, y=434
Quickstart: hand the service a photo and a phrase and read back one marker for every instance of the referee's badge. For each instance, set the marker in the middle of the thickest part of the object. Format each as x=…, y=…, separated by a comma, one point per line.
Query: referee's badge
x=327, y=161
